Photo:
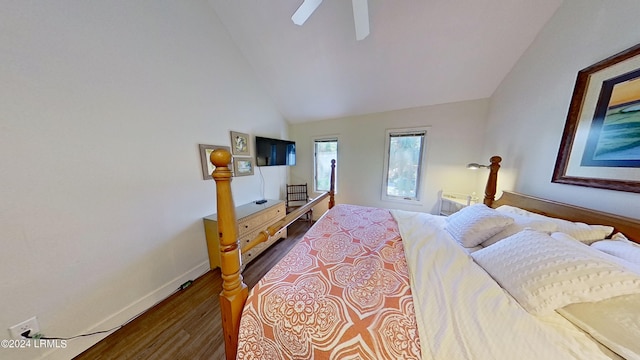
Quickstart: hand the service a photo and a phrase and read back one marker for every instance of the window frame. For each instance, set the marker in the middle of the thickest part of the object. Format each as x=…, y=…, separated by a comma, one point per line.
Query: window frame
x=322, y=139
x=420, y=181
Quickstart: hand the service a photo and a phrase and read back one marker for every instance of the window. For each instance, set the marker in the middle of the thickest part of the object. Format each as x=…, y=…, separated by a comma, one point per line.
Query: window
x=324, y=150
x=403, y=164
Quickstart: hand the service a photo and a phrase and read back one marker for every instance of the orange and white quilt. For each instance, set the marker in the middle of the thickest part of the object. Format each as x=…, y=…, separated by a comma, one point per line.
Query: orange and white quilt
x=342, y=292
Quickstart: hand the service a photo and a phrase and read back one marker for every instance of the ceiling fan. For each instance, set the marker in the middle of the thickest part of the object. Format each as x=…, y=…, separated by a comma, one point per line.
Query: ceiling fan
x=360, y=15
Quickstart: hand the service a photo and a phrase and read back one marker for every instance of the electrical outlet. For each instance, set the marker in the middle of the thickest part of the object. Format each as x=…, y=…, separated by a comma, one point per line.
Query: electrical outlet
x=18, y=329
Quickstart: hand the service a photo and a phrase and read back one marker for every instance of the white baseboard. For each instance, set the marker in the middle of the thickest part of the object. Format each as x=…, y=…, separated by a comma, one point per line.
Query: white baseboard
x=76, y=346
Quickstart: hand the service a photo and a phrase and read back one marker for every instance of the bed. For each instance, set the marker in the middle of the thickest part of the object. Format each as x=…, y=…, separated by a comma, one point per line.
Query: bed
x=373, y=283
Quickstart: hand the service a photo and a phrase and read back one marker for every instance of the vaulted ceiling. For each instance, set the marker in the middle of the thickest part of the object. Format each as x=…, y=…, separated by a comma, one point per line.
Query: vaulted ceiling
x=419, y=52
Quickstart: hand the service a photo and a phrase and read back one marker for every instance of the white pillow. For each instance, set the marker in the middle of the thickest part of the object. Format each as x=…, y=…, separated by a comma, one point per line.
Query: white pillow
x=544, y=274
x=621, y=237
x=580, y=231
x=622, y=249
x=520, y=223
x=635, y=267
x=625, y=250
x=476, y=223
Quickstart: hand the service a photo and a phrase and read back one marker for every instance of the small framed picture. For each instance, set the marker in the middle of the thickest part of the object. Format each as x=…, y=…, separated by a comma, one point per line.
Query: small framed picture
x=240, y=144
x=205, y=153
x=242, y=166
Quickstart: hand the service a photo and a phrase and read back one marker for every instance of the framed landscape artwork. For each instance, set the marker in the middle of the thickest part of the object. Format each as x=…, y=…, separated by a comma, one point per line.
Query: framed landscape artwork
x=600, y=145
x=205, y=153
x=242, y=166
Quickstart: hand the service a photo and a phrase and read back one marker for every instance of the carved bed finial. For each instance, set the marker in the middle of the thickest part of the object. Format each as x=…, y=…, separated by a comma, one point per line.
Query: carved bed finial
x=490, y=189
x=234, y=290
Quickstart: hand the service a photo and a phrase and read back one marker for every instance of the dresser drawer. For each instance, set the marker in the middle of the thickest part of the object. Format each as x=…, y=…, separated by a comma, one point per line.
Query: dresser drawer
x=258, y=249
x=246, y=238
x=252, y=219
x=261, y=220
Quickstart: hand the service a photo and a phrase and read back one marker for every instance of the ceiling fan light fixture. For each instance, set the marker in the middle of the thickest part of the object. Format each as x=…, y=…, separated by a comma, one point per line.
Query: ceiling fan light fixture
x=361, y=18
x=304, y=11
x=360, y=15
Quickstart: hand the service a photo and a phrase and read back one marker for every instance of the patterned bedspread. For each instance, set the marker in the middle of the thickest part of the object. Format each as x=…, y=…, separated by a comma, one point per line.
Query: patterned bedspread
x=342, y=292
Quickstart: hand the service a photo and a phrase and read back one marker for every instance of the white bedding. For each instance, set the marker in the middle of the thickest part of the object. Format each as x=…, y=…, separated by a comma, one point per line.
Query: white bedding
x=614, y=322
x=462, y=313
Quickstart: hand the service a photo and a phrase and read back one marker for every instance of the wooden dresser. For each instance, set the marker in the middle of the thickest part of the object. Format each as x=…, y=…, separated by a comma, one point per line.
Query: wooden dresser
x=252, y=218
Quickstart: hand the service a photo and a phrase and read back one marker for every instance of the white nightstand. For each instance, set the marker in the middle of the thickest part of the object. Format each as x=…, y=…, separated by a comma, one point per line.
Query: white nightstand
x=451, y=202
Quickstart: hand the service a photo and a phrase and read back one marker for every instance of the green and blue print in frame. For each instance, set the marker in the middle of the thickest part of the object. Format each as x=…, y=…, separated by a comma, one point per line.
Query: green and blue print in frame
x=600, y=146
x=614, y=137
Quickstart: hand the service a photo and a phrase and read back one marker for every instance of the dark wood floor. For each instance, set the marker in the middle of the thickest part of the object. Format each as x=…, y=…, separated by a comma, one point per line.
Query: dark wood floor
x=187, y=325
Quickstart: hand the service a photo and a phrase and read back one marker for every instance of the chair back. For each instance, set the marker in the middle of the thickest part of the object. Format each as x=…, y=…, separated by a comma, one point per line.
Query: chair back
x=297, y=194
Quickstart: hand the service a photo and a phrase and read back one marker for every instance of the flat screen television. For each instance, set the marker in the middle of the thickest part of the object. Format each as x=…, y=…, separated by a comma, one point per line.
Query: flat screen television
x=273, y=152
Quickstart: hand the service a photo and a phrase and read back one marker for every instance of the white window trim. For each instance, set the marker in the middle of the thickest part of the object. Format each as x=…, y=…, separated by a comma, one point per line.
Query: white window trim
x=325, y=138
x=418, y=200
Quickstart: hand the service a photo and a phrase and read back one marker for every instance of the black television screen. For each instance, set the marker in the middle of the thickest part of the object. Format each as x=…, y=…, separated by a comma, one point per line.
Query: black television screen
x=272, y=152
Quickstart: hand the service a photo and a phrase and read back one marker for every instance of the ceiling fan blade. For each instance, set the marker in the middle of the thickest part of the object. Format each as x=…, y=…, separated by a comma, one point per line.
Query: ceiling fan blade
x=305, y=10
x=361, y=18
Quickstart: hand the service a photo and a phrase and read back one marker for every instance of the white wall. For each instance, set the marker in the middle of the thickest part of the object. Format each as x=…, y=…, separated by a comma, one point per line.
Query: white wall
x=453, y=140
x=529, y=109
x=102, y=107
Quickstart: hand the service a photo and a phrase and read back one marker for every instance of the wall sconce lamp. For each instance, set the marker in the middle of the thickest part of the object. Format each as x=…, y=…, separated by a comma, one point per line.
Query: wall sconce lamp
x=490, y=190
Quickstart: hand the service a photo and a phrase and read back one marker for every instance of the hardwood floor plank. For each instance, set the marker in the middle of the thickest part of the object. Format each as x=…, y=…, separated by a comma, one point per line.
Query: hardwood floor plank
x=187, y=325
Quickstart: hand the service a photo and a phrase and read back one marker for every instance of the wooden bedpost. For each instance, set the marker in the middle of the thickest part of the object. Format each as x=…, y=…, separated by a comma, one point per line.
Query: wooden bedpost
x=234, y=290
x=332, y=185
x=492, y=181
